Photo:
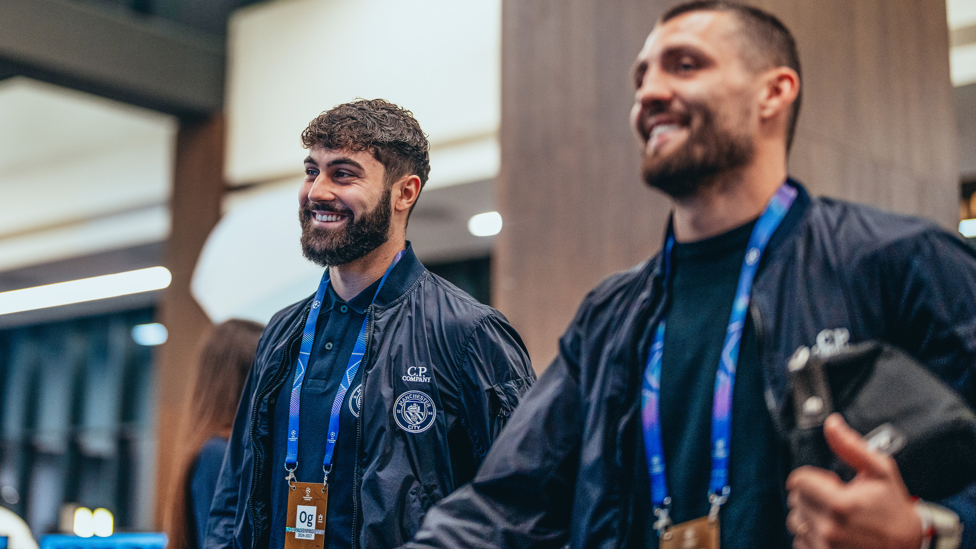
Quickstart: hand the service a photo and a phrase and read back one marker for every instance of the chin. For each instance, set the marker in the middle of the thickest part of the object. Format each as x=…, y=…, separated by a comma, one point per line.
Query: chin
x=676, y=177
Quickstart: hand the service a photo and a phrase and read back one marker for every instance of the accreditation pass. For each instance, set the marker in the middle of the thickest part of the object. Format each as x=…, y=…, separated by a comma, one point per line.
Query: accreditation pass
x=305, y=524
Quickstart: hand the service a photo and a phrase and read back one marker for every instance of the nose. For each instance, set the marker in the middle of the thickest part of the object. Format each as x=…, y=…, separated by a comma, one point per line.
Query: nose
x=321, y=189
x=653, y=89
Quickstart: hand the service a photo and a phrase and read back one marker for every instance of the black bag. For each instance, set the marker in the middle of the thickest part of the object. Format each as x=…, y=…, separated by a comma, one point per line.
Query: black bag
x=901, y=409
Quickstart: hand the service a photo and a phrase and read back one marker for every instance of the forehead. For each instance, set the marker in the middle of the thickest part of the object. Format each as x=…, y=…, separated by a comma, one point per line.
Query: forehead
x=713, y=32
x=322, y=156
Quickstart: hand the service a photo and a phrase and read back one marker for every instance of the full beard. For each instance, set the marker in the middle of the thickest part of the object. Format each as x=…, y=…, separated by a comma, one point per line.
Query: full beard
x=698, y=164
x=359, y=237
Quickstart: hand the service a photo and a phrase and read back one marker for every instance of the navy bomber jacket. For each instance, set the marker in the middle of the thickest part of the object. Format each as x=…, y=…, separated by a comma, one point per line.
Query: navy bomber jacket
x=563, y=470
x=477, y=370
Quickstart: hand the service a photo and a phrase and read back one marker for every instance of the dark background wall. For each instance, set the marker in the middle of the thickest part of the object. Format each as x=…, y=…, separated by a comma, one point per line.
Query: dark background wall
x=877, y=126
x=77, y=419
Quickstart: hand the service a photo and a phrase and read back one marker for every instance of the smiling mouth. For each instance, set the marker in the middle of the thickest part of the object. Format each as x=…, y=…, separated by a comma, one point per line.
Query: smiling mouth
x=660, y=134
x=661, y=129
x=328, y=217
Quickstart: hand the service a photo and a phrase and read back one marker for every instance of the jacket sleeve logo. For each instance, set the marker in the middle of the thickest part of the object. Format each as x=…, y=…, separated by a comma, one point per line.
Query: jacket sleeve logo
x=414, y=412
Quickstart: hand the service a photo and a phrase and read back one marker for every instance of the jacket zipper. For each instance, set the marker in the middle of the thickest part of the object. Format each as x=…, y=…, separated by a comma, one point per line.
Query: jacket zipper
x=359, y=429
x=258, y=452
x=768, y=394
x=757, y=324
x=644, y=318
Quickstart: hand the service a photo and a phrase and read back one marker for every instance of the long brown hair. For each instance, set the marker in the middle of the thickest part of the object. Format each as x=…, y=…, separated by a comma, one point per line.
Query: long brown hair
x=224, y=362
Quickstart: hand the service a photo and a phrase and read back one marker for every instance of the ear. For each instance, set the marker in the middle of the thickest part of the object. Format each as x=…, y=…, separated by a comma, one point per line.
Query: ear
x=406, y=192
x=780, y=89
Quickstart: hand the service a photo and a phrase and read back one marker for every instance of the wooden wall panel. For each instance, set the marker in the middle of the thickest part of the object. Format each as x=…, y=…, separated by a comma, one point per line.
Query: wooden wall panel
x=877, y=126
x=197, y=189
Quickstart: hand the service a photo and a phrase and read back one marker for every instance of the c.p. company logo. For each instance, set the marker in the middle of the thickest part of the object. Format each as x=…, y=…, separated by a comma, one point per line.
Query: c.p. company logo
x=416, y=374
x=414, y=411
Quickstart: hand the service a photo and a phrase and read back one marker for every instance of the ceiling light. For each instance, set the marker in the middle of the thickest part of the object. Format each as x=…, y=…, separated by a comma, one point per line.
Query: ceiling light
x=150, y=335
x=103, y=522
x=86, y=289
x=485, y=224
x=968, y=227
x=84, y=526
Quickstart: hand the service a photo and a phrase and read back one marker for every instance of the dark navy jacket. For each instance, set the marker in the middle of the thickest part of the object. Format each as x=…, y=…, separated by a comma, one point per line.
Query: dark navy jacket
x=477, y=369
x=563, y=470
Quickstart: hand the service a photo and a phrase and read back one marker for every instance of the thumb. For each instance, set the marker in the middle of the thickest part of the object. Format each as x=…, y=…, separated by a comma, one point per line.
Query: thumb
x=848, y=445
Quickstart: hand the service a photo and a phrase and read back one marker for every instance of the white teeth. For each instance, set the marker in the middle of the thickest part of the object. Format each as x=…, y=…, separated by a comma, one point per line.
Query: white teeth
x=327, y=217
x=662, y=128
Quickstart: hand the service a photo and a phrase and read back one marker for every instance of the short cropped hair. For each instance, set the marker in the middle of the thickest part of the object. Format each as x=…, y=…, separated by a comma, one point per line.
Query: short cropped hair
x=770, y=44
x=389, y=132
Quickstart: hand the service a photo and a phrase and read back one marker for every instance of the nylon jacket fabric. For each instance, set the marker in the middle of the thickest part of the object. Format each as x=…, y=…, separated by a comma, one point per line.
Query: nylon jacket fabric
x=563, y=470
x=478, y=370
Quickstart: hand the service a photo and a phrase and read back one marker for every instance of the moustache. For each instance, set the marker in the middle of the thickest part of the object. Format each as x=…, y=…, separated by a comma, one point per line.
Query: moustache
x=309, y=209
x=681, y=115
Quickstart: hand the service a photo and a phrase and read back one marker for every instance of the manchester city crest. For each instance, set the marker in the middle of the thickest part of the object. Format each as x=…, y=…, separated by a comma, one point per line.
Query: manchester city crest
x=414, y=412
x=356, y=400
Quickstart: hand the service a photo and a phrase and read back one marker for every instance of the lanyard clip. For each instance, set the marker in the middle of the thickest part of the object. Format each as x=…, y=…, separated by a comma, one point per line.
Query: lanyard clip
x=291, y=480
x=717, y=501
x=663, y=514
x=325, y=481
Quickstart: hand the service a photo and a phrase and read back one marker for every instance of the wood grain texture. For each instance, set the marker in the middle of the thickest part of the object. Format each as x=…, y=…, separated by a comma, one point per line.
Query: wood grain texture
x=198, y=186
x=877, y=126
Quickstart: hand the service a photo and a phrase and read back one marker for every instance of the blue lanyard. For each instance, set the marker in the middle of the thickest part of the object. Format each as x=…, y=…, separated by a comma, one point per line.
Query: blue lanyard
x=308, y=335
x=718, y=488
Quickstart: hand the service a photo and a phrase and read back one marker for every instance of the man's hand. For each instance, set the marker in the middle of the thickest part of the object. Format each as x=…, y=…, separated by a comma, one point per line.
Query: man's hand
x=873, y=510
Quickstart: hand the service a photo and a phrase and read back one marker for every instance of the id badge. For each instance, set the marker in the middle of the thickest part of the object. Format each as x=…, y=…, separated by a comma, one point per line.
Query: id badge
x=305, y=524
x=700, y=533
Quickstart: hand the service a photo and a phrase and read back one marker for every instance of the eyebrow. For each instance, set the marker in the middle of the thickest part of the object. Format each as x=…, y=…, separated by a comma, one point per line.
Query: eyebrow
x=337, y=161
x=640, y=67
x=682, y=49
x=344, y=160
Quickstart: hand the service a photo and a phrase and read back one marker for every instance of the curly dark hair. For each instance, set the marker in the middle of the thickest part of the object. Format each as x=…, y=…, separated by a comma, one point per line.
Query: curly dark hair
x=389, y=132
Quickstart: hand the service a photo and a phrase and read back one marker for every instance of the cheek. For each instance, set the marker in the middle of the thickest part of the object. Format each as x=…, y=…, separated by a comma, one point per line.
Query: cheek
x=634, y=120
x=743, y=111
x=303, y=193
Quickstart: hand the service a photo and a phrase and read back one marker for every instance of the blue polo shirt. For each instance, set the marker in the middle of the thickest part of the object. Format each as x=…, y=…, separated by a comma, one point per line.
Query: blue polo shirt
x=335, y=336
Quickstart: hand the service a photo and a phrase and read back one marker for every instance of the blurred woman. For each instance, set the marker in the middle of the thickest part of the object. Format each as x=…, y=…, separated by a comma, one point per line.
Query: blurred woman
x=224, y=363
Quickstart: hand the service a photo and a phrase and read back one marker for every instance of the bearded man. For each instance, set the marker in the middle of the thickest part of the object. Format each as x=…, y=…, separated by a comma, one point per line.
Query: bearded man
x=379, y=395
x=636, y=436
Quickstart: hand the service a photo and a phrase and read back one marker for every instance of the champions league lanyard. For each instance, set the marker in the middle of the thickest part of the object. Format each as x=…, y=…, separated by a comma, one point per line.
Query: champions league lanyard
x=718, y=489
x=304, y=354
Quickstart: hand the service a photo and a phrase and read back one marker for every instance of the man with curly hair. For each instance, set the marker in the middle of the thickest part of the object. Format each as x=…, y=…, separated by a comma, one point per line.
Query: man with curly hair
x=379, y=395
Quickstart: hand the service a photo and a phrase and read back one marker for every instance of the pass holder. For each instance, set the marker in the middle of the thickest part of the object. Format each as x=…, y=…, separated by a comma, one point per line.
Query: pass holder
x=699, y=533
x=305, y=522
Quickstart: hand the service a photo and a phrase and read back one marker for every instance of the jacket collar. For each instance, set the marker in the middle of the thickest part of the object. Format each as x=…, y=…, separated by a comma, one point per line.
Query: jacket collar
x=793, y=217
x=404, y=274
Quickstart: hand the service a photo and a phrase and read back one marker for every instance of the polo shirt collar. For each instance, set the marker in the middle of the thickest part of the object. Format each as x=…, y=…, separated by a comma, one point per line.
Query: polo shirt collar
x=401, y=278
